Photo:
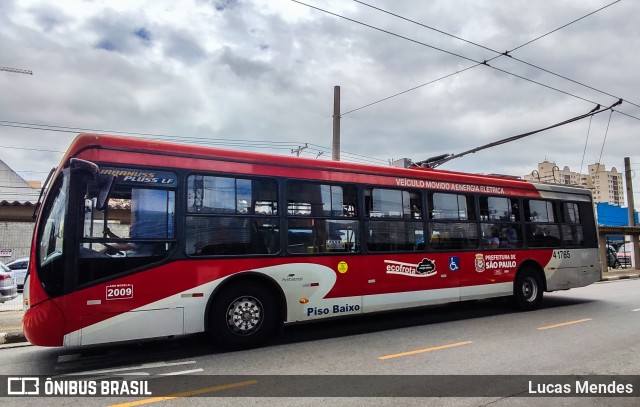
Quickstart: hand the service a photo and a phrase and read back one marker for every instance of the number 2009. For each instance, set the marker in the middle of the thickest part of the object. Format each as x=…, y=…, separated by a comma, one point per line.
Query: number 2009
x=120, y=292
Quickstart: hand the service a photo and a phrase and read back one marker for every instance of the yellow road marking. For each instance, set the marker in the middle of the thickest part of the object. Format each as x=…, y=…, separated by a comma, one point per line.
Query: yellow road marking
x=415, y=352
x=186, y=394
x=564, y=324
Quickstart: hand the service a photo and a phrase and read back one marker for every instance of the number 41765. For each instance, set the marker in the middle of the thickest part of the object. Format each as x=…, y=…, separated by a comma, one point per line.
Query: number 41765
x=561, y=254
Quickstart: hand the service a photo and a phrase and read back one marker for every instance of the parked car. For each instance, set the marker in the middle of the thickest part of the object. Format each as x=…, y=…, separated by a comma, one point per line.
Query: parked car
x=19, y=269
x=8, y=288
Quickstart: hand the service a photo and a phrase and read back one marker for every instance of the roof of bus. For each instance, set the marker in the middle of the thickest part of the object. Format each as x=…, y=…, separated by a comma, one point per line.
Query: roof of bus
x=87, y=140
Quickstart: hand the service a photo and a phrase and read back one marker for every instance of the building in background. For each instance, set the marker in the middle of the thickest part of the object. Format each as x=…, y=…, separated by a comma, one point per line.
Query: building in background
x=17, y=203
x=613, y=215
x=606, y=186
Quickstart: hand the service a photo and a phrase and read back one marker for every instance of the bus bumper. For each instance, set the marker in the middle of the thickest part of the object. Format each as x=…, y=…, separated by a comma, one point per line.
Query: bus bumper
x=44, y=324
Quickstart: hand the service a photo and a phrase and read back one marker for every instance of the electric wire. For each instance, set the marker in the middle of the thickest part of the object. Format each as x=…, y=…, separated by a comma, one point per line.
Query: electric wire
x=508, y=53
x=605, y=136
x=352, y=154
x=409, y=90
x=585, y=144
x=232, y=142
x=273, y=145
x=32, y=149
x=477, y=63
x=566, y=25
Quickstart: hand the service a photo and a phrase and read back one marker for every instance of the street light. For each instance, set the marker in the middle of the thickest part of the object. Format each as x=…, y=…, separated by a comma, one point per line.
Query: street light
x=535, y=172
x=553, y=170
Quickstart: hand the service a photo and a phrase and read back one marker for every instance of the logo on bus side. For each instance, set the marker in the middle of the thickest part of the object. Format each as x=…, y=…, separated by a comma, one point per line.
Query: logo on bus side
x=426, y=268
x=479, y=263
x=343, y=267
x=498, y=263
x=129, y=176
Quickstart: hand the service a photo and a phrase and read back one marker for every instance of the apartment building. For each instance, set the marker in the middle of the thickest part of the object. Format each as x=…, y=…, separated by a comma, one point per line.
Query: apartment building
x=606, y=186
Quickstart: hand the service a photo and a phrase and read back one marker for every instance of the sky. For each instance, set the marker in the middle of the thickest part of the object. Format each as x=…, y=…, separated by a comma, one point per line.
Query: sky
x=260, y=76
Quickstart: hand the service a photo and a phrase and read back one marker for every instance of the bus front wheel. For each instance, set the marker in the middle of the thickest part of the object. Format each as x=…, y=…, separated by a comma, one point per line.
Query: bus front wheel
x=244, y=315
x=528, y=290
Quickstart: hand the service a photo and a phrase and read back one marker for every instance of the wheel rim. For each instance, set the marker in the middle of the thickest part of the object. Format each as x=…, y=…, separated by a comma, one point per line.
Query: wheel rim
x=529, y=289
x=245, y=315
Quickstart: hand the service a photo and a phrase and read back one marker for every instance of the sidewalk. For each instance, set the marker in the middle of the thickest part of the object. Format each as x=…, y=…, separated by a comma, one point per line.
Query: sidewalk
x=11, y=327
x=11, y=321
x=620, y=274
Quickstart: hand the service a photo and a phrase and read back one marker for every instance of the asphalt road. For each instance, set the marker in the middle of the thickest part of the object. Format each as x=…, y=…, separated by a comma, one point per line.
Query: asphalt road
x=589, y=331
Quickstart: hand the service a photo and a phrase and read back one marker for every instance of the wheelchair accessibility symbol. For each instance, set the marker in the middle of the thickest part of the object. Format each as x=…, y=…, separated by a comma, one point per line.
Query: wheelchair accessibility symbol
x=454, y=263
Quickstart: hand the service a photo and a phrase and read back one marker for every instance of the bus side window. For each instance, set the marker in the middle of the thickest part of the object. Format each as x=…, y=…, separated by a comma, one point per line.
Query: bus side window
x=541, y=227
x=572, y=230
x=453, y=221
x=511, y=236
x=321, y=218
x=134, y=230
x=231, y=216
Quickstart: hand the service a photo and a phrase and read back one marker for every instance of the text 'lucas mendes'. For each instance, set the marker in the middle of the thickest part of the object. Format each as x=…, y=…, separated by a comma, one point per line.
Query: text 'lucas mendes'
x=580, y=387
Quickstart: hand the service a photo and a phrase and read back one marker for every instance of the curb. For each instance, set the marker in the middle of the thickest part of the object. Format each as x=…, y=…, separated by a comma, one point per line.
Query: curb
x=624, y=277
x=12, y=337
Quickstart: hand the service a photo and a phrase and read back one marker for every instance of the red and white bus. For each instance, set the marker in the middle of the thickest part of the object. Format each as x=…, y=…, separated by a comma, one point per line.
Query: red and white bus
x=141, y=239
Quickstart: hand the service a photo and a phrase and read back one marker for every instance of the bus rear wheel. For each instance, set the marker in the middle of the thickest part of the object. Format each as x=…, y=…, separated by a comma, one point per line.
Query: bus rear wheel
x=528, y=290
x=243, y=315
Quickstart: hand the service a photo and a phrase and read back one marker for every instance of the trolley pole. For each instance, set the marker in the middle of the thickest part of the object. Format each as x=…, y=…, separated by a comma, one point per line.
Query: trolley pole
x=635, y=255
x=336, y=124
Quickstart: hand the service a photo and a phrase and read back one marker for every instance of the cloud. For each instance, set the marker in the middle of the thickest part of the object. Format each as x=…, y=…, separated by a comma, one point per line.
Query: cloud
x=118, y=31
x=184, y=47
x=265, y=71
x=143, y=34
x=50, y=17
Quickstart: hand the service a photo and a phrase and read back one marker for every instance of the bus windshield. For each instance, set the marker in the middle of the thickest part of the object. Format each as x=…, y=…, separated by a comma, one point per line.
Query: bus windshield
x=51, y=237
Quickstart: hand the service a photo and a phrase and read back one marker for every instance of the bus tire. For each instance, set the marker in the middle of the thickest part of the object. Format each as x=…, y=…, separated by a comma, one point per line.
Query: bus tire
x=528, y=290
x=244, y=315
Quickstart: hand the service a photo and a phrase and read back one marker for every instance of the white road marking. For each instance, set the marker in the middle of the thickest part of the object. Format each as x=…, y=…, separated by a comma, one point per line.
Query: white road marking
x=124, y=369
x=181, y=372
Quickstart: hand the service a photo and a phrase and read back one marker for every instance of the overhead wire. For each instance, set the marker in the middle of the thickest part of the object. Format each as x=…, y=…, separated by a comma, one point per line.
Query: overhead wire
x=585, y=144
x=482, y=46
x=508, y=53
x=566, y=25
x=605, y=136
x=327, y=150
x=236, y=143
x=32, y=149
x=272, y=145
x=477, y=63
x=409, y=90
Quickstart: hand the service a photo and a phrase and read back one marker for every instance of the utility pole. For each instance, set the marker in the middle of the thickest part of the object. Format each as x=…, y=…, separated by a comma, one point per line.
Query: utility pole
x=631, y=211
x=336, y=124
x=15, y=70
x=298, y=150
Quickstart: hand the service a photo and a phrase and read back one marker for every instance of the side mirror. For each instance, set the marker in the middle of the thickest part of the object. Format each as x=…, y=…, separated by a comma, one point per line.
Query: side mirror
x=106, y=185
x=104, y=182
x=84, y=165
